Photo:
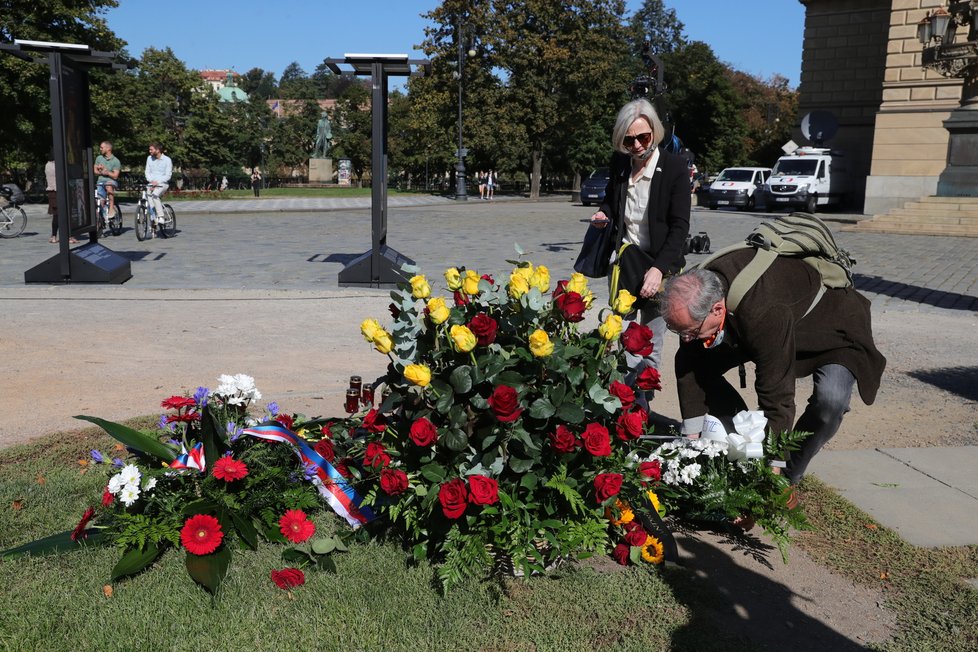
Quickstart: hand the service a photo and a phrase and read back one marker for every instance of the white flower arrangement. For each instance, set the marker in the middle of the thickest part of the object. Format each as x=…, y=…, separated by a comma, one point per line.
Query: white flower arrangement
x=238, y=389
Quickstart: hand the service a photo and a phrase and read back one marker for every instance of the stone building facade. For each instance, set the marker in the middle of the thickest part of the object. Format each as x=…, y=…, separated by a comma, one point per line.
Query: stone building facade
x=861, y=61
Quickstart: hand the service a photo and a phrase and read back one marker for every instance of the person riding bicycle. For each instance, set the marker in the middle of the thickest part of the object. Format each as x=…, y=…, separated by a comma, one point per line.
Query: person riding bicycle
x=159, y=167
x=108, y=167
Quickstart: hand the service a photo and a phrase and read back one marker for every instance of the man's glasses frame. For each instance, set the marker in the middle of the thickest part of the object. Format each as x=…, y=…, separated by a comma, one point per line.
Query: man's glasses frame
x=690, y=334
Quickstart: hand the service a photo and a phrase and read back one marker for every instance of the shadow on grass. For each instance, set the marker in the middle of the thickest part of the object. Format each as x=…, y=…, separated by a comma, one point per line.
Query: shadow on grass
x=962, y=381
x=754, y=611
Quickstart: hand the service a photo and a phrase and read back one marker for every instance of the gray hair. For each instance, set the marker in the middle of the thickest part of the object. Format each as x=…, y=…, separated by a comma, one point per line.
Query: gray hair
x=630, y=113
x=697, y=290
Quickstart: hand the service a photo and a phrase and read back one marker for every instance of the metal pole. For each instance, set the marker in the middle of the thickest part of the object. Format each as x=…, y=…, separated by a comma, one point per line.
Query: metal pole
x=460, y=164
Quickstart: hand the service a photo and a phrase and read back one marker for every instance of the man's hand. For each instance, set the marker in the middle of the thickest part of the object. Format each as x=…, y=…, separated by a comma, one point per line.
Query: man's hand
x=599, y=220
x=653, y=279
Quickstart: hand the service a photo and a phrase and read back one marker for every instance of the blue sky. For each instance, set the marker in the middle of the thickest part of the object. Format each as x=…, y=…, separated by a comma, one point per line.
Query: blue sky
x=271, y=34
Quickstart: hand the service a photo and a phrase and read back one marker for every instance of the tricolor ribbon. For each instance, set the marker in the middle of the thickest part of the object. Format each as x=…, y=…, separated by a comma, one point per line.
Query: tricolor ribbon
x=747, y=440
x=333, y=487
x=192, y=460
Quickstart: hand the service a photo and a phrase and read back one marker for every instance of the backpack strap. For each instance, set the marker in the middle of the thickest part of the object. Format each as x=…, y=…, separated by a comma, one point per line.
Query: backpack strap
x=748, y=276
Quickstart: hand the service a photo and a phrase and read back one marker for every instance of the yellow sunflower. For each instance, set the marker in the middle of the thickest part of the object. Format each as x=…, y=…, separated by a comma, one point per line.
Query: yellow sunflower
x=653, y=551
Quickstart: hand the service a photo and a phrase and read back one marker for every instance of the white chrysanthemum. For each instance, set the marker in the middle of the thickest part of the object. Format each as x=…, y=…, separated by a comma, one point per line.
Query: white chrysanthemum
x=689, y=473
x=130, y=474
x=129, y=494
x=238, y=389
x=670, y=477
x=150, y=483
x=116, y=484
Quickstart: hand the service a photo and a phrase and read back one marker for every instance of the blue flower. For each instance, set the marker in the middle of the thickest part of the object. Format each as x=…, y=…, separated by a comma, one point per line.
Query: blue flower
x=273, y=408
x=97, y=457
x=234, y=431
x=117, y=462
x=201, y=396
x=309, y=472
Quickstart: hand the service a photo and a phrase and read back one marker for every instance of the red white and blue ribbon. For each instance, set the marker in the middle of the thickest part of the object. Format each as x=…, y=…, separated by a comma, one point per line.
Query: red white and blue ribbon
x=333, y=487
x=192, y=460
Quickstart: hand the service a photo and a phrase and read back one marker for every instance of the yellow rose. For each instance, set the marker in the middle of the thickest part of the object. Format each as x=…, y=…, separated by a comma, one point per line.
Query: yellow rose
x=419, y=287
x=578, y=283
x=437, y=310
x=540, y=279
x=540, y=344
x=519, y=283
x=611, y=328
x=470, y=284
x=453, y=278
x=418, y=374
x=464, y=338
x=369, y=328
x=382, y=341
x=624, y=301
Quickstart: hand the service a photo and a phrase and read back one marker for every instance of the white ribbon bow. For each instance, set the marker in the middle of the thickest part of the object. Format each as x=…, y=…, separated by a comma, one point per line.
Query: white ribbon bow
x=748, y=439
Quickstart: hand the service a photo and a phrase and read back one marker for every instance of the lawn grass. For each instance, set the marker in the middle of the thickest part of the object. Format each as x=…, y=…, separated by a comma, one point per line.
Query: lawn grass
x=377, y=601
x=926, y=588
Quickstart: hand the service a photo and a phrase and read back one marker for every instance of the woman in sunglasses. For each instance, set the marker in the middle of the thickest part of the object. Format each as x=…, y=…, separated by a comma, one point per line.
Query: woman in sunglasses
x=647, y=201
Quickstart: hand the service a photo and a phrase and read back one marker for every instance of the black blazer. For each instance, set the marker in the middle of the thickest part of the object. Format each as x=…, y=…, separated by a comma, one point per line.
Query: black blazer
x=667, y=210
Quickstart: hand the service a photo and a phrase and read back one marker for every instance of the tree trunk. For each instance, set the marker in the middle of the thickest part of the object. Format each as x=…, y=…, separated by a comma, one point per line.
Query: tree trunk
x=537, y=160
x=576, y=188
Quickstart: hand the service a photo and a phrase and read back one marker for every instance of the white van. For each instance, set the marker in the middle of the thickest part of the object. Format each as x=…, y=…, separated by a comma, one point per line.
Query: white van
x=737, y=187
x=807, y=178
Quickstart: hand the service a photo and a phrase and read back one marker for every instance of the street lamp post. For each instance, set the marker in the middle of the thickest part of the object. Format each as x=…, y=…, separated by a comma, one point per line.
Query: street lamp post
x=460, y=193
x=936, y=33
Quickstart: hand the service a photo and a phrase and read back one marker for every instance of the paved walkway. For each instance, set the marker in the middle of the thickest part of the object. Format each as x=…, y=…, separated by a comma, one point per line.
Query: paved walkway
x=245, y=252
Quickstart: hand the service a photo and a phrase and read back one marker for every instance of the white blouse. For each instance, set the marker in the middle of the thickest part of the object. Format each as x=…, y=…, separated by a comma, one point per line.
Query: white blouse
x=636, y=220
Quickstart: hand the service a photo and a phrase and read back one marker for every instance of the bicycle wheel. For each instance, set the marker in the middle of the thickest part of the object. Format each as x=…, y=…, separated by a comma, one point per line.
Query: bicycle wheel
x=142, y=224
x=115, y=222
x=168, y=229
x=12, y=222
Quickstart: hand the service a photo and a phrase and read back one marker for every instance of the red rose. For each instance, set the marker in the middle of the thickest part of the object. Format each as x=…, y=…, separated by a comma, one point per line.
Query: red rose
x=637, y=339
x=571, y=306
x=376, y=455
x=621, y=553
x=326, y=431
x=288, y=578
x=325, y=449
x=631, y=424
x=489, y=278
x=393, y=481
x=394, y=310
x=423, y=432
x=636, y=537
x=651, y=470
x=624, y=394
x=607, y=485
x=596, y=440
x=107, y=497
x=484, y=328
x=563, y=440
x=178, y=403
x=460, y=298
x=648, y=379
x=286, y=420
x=229, y=469
x=201, y=534
x=505, y=404
x=453, y=497
x=79, y=530
x=483, y=490
x=296, y=526
x=374, y=421
x=342, y=467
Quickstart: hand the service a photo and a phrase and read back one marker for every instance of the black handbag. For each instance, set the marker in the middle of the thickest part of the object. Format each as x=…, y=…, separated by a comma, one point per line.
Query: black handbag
x=629, y=274
x=594, y=259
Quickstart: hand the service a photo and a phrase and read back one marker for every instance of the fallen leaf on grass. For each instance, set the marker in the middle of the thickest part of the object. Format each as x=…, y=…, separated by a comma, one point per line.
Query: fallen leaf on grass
x=884, y=575
x=41, y=480
x=82, y=462
x=107, y=590
x=17, y=504
x=119, y=447
x=872, y=526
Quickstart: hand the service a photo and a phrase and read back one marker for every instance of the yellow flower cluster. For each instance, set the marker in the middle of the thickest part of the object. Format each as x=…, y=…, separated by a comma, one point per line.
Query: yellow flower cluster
x=578, y=283
x=374, y=333
x=523, y=278
x=469, y=283
x=625, y=513
x=417, y=374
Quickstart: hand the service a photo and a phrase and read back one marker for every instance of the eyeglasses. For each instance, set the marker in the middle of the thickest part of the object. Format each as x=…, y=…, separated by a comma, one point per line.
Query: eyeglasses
x=690, y=333
x=643, y=139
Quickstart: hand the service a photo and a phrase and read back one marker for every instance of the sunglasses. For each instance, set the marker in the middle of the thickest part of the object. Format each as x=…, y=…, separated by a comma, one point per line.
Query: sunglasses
x=643, y=139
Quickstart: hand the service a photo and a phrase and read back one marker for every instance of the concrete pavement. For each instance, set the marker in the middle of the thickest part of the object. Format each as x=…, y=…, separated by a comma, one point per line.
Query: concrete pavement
x=270, y=252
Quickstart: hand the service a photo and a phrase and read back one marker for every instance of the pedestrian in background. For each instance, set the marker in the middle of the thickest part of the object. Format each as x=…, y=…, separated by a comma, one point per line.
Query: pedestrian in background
x=256, y=181
x=52, y=189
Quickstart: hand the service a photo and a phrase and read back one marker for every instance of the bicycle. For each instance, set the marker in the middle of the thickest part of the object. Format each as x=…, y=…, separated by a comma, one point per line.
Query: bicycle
x=145, y=216
x=107, y=224
x=13, y=219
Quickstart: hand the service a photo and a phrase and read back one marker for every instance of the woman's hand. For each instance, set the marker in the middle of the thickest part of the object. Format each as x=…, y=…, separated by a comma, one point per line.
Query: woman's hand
x=599, y=220
x=653, y=279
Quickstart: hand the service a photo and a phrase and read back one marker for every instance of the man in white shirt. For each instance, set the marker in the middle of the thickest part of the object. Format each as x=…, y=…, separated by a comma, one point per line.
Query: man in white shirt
x=159, y=168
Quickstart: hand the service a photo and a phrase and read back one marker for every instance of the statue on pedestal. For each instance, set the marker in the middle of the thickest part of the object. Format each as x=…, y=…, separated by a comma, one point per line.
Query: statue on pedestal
x=324, y=137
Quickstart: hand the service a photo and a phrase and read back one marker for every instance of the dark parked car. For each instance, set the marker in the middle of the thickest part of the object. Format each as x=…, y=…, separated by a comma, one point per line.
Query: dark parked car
x=592, y=189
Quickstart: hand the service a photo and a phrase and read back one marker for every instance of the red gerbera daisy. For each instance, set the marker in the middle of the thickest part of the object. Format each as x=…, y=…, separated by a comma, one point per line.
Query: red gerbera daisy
x=178, y=402
x=295, y=526
x=229, y=469
x=201, y=534
x=79, y=530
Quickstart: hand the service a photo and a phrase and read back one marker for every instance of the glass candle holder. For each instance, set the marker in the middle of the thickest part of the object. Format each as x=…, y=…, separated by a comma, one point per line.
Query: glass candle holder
x=352, y=400
x=367, y=394
x=356, y=383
